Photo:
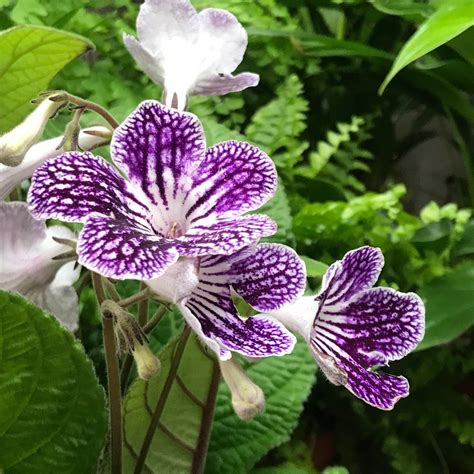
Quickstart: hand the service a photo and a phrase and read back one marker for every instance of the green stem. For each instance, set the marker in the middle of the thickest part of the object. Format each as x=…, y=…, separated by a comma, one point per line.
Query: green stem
x=162, y=400
x=113, y=380
x=111, y=290
x=200, y=454
x=143, y=307
x=87, y=104
x=155, y=320
x=136, y=298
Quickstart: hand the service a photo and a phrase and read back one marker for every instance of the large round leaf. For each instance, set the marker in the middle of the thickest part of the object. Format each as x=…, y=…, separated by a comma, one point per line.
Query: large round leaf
x=52, y=410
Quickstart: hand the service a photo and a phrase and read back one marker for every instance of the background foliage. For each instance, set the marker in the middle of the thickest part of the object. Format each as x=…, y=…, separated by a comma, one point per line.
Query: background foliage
x=341, y=154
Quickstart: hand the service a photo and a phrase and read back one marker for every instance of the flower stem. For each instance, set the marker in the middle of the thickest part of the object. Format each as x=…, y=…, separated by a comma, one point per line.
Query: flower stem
x=155, y=319
x=87, y=104
x=162, y=400
x=143, y=307
x=113, y=379
x=136, y=298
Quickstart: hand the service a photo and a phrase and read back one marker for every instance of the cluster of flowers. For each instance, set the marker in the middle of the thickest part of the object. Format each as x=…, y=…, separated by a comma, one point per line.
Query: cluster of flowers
x=182, y=221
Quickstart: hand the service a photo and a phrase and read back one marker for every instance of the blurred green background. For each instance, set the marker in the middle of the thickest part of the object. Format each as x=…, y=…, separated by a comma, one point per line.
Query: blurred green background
x=394, y=170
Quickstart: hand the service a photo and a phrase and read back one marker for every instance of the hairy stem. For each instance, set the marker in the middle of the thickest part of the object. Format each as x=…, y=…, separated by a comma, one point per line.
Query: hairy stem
x=162, y=400
x=200, y=454
x=113, y=380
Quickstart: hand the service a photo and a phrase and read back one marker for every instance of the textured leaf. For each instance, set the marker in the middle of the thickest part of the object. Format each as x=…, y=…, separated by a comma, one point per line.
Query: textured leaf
x=31, y=57
x=450, y=20
x=52, y=410
x=237, y=445
x=449, y=306
x=174, y=444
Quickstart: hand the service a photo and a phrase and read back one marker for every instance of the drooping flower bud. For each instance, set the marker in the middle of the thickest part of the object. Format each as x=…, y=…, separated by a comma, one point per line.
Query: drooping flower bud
x=15, y=143
x=248, y=399
x=132, y=340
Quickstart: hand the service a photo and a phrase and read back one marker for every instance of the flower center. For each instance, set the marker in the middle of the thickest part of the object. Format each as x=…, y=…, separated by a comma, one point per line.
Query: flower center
x=174, y=231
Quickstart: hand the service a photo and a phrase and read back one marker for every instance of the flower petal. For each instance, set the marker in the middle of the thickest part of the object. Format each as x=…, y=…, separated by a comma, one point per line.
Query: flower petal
x=75, y=184
x=268, y=278
x=117, y=249
x=222, y=84
x=212, y=314
x=148, y=62
x=235, y=177
x=159, y=149
x=357, y=271
x=226, y=236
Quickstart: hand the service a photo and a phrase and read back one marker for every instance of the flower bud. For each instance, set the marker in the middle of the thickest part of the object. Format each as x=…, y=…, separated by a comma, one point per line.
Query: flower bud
x=248, y=399
x=132, y=339
x=15, y=143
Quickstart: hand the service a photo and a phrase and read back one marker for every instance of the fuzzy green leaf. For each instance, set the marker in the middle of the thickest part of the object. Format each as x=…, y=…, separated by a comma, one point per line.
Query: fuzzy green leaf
x=237, y=445
x=173, y=448
x=449, y=21
x=52, y=410
x=31, y=57
x=449, y=306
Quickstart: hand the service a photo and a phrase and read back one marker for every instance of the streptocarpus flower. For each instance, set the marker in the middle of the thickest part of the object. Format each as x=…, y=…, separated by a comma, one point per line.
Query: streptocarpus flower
x=15, y=143
x=352, y=327
x=187, y=52
x=27, y=249
x=266, y=276
x=179, y=200
x=10, y=176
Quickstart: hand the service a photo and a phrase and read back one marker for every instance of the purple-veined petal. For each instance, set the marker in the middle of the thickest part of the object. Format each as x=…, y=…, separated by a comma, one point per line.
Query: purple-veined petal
x=160, y=149
x=76, y=184
x=222, y=84
x=27, y=249
x=268, y=278
x=117, y=249
x=235, y=177
x=41, y=152
x=357, y=271
x=226, y=236
x=212, y=314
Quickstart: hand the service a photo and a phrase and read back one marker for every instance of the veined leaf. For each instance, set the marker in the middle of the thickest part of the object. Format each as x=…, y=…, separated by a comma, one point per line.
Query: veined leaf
x=52, y=410
x=449, y=21
x=174, y=447
x=449, y=306
x=31, y=57
x=237, y=445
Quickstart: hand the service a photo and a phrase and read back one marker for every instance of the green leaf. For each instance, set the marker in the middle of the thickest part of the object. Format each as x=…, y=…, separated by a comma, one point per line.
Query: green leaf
x=174, y=445
x=465, y=246
x=52, y=410
x=449, y=305
x=313, y=267
x=449, y=21
x=237, y=445
x=31, y=57
x=434, y=236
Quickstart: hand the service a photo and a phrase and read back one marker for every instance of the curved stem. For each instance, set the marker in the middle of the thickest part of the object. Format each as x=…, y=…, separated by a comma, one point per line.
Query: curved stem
x=87, y=104
x=155, y=319
x=162, y=400
x=113, y=379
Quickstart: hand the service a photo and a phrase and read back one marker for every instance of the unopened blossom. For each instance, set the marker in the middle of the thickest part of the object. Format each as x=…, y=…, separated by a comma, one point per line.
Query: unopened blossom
x=352, y=328
x=189, y=52
x=266, y=276
x=27, y=249
x=247, y=398
x=15, y=143
x=179, y=200
x=11, y=176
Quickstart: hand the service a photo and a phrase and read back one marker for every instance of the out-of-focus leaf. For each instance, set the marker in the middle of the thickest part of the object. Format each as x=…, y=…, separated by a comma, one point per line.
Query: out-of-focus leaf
x=406, y=8
x=433, y=236
x=30, y=57
x=450, y=20
x=449, y=305
x=173, y=448
x=313, y=267
x=237, y=445
x=465, y=246
x=52, y=410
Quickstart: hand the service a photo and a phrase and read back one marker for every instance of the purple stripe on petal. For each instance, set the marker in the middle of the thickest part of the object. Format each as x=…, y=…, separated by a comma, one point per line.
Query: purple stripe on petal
x=270, y=277
x=222, y=84
x=226, y=236
x=117, y=249
x=74, y=185
x=234, y=178
x=357, y=271
x=160, y=149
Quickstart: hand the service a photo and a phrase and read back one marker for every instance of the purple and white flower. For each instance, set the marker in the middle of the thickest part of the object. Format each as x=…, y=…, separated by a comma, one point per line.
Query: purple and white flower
x=189, y=52
x=352, y=327
x=267, y=277
x=179, y=200
x=27, y=249
x=11, y=176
